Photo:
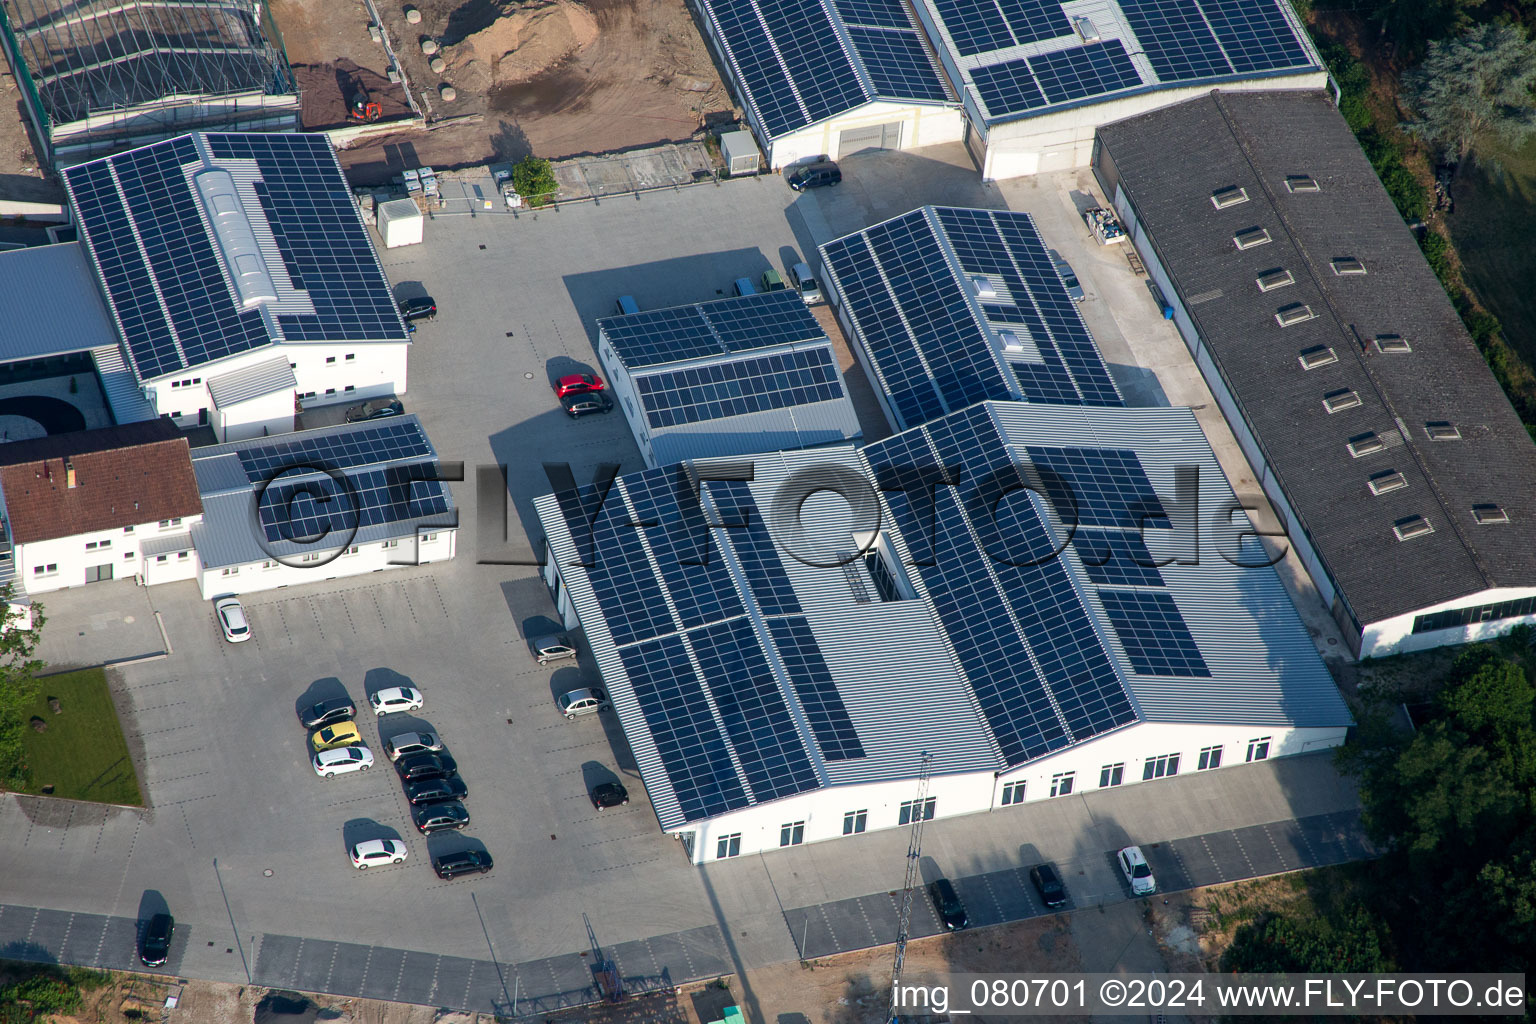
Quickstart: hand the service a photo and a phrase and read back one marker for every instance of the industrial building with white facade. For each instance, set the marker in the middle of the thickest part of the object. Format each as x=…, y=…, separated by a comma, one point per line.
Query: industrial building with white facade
x=1401, y=473
x=773, y=696
x=752, y=373
x=1023, y=83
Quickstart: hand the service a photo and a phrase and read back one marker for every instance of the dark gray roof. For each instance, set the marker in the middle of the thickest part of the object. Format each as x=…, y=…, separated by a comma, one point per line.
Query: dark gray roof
x=1169, y=163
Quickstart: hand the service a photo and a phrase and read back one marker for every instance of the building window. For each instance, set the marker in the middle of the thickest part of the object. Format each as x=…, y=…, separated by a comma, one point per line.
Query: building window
x=1160, y=767
x=181, y=556
x=127, y=529
x=1258, y=749
x=1061, y=784
x=175, y=383
x=269, y=565
x=792, y=833
x=51, y=569
x=329, y=360
x=161, y=558
x=350, y=387
x=728, y=846
x=908, y=806
x=351, y=356
x=330, y=391
x=429, y=538
x=351, y=550
x=176, y=415
x=127, y=554
x=166, y=524
x=313, y=557
x=197, y=380
x=853, y=822
x=390, y=544
x=1210, y=757
x=1013, y=793
x=235, y=571
x=885, y=580
x=1111, y=775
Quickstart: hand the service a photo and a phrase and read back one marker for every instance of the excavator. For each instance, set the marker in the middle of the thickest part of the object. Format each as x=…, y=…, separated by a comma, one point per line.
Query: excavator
x=363, y=107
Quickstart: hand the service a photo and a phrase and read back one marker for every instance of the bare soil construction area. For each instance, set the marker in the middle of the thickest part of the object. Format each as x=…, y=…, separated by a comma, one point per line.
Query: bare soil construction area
x=550, y=77
x=334, y=58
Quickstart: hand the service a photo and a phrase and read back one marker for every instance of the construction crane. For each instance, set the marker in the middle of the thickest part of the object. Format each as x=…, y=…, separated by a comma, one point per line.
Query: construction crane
x=914, y=850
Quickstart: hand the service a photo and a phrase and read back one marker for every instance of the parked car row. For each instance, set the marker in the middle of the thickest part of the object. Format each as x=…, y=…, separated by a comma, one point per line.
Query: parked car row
x=553, y=647
x=951, y=912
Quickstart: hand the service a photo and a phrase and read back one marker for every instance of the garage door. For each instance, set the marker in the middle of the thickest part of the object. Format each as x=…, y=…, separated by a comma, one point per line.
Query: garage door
x=880, y=136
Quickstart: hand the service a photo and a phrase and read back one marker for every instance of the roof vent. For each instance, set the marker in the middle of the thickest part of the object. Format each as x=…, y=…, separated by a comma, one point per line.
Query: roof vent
x=1250, y=237
x=1295, y=313
x=985, y=289
x=1277, y=278
x=1317, y=355
x=1302, y=183
x=1386, y=482
x=1011, y=342
x=1392, y=344
x=1441, y=430
x=1086, y=29
x=1487, y=515
x=1338, y=401
x=1365, y=444
x=1229, y=196
x=1413, y=526
x=1346, y=266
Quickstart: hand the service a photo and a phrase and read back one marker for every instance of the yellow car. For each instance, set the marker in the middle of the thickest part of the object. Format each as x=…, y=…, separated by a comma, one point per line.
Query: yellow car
x=340, y=734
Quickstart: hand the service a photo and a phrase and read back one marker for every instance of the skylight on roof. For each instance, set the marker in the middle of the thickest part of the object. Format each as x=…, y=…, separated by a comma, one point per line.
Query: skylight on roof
x=1338, y=401
x=1086, y=29
x=1442, y=430
x=1276, y=278
x=1248, y=238
x=1487, y=515
x=1295, y=313
x=1318, y=355
x=1392, y=344
x=1302, y=183
x=985, y=289
x=1411, y=527
x=1365, y=444
x=1230, y=196
x=1386, y=482
x=1348, y=266
x=1011, y=342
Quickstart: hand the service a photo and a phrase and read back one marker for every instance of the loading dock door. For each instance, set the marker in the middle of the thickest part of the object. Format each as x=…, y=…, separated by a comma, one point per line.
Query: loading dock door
x=879, y=136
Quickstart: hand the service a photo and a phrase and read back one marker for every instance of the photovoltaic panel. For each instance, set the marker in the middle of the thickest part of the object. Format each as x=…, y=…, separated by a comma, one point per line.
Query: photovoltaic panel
x=757, y=720
x=1080, y=71
x=634, y=606
x=739, y=324
x=1255, y=34
x=1116, y=557
x=322, y=506
x=343, y=450
x=760, y=321
x=1176, y=39
x=1155, y=637
x=744, y=529
x=692, y=749
x=765, y=79
x=1034, y=20
x=661, y=336
x=679, y=536
x=815, y=689
x=976, y=26
x=1045, y=382
x=717, y=390
x=1008, y=87
x=880, y=13
x=822, y=72
x=897, y=63
x=1099, y=487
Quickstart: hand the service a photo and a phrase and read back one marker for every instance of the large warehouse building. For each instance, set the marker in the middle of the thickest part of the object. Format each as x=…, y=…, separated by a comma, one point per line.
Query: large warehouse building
x=100, y=76
x=780, y=657
x=1401, y=473
x=1023, y=84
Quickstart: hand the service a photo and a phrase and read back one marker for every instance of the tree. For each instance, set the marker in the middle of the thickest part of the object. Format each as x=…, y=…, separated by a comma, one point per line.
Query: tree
x=1277, y=945
x=1411, y=23
x=534, y=180
x=1473, y=93
x=19, y=687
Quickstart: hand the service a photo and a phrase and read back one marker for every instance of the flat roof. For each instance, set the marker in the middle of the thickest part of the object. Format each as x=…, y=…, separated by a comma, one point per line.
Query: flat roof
x=52, y=306
x=1370, y=403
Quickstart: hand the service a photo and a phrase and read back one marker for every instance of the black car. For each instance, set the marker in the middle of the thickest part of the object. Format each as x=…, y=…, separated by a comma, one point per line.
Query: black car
x=375, y=410
x=609, y=794
x=435, y=791
x=588, y=401
x=426, y=766
x=155, y=942
x=440, y=817
x=462, y=863
x=814, y=175
x=420, y=308
x=947, y=903
x=1048, y=885
x=328, y=712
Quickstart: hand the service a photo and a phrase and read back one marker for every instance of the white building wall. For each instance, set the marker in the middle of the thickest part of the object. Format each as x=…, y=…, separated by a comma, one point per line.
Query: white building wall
x=270, y=414
x=921, y=125
x=621, y=387
x=47, y=565
x=1396, y=635
x=435, y=545
x=824, y=810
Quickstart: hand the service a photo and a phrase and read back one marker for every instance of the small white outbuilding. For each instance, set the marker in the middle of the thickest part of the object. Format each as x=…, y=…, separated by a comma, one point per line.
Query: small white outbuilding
x=400, y=222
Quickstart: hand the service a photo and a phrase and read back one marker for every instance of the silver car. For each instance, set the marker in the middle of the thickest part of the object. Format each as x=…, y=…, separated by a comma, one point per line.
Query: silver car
x=411, y=743
x=586, y=701
x=554, y=647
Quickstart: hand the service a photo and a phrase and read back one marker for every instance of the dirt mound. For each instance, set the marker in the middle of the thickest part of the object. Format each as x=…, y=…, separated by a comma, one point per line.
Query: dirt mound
x=526, y=39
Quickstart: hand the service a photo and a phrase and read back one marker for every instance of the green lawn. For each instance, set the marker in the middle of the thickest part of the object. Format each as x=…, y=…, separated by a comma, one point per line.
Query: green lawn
x=82, y=754
x=1492, y=230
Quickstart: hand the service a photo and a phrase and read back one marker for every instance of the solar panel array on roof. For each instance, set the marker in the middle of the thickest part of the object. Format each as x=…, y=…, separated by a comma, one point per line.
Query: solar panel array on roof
x=1077, y=72
x=721, y=327
x=717, y=390
x=166, y=283
x=323, y=505
x=339, y=451
x=913, y=312
x=897, y=62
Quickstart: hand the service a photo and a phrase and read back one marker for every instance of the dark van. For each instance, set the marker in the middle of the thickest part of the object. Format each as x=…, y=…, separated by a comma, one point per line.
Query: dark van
x=823, y=172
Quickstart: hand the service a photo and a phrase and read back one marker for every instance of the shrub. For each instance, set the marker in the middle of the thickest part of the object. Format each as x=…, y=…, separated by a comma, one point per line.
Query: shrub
x=534, y=180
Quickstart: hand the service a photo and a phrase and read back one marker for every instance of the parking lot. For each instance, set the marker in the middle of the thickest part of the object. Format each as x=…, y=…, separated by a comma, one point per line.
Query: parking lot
x=249, y=848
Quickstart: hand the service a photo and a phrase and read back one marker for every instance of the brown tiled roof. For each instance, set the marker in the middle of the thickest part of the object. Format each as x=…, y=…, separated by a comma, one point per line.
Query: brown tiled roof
x=122, y=477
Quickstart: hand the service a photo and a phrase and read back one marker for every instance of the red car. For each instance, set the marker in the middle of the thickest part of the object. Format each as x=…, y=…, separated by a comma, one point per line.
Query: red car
x=579, y=384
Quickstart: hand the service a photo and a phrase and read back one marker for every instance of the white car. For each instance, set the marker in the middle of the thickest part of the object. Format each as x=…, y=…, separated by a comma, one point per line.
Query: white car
x=341, y=760
x=1138, y=873
x=378, y=851
x=395, y=698
x=411, y=743
x=232, y=620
